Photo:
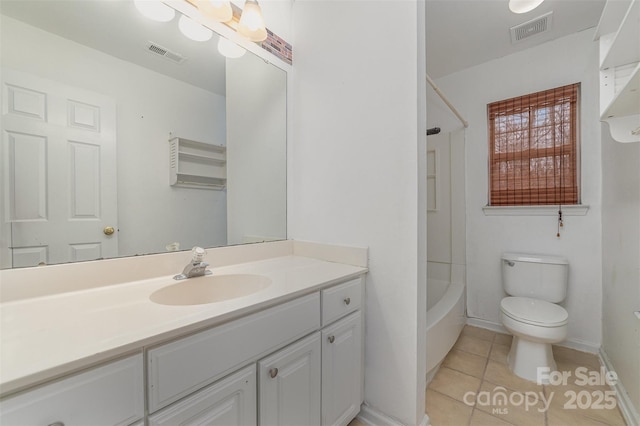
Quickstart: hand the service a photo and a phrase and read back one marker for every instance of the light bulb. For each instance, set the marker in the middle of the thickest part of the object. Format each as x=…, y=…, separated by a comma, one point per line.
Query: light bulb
x=523, y=6
x=229, y=49
x=251, y=23
x=155, y=10
x=220, y=10
x=193, y=30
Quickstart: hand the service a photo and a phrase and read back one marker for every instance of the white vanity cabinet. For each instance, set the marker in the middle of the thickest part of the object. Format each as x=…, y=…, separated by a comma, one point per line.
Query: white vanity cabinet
x=112, y=394
x=342, y=370
x=230, y=402
x=289, y=384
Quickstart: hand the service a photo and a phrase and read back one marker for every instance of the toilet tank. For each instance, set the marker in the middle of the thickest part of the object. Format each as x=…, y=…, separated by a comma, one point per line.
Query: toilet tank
x=537, y=276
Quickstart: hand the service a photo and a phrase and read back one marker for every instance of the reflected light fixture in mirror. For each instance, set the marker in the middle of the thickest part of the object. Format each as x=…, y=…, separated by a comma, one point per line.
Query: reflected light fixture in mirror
x=229, y=49
x=523, y=6
x=251, y=23
x=220, y=10
x=194, y=30
x=155, y=10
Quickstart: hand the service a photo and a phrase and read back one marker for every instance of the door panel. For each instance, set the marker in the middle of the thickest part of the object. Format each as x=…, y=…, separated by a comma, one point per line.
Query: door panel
x=59, y=178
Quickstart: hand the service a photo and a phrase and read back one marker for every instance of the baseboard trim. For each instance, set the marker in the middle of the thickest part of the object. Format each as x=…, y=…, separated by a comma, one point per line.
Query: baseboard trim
x=578, y=345
x=629, y=412
x=372, y=417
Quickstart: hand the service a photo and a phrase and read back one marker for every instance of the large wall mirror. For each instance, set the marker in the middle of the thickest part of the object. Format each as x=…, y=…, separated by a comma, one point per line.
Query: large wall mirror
x=92, y=94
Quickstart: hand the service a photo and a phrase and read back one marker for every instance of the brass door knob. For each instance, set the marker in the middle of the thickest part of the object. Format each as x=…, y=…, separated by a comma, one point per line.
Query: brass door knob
x=108, y=230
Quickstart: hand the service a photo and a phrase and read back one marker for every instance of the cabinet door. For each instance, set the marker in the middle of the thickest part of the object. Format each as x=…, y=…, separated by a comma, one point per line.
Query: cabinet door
x=108, y=395
x=342, y=370
x=289, y=385
x=228, y=402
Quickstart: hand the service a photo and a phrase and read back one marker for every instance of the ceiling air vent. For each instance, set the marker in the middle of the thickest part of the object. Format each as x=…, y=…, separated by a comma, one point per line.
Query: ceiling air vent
x=530, y=28
x=164, y=52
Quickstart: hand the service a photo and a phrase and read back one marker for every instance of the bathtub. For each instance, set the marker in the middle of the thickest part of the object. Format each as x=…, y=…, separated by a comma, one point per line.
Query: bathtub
x=445, y=319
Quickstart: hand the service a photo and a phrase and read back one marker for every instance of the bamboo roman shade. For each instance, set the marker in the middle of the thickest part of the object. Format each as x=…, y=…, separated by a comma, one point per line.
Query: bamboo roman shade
x=533, y=148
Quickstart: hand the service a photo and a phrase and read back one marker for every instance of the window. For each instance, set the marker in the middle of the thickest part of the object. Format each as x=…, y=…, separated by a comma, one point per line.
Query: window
x=533, y=149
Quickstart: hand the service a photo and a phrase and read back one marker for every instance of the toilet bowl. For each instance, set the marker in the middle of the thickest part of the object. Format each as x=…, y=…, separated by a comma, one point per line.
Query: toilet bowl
x=534, y=284
x=535, y=325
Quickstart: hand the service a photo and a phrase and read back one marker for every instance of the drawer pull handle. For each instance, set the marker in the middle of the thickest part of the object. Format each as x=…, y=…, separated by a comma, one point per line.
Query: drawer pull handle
x=273, y=373
x=347, y=300
x=332, y=339
x=57, y=424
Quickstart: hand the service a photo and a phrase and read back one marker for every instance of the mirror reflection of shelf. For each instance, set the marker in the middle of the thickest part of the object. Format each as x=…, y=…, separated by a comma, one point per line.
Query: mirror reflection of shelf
x=619, y=35
x=196, y=164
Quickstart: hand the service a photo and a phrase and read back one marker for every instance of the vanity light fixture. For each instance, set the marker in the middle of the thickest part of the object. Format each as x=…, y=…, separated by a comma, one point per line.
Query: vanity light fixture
x=220, y=10
x=523, y=6
x=251, y=23
x=229, y=49
x=194, y=30
x=155, y=10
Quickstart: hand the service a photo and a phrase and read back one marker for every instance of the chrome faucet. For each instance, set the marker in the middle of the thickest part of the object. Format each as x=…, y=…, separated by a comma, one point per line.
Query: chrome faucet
x=195, y=268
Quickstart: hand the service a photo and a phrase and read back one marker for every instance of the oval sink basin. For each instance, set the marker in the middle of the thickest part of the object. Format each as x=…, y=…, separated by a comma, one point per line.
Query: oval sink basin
x=210, y=289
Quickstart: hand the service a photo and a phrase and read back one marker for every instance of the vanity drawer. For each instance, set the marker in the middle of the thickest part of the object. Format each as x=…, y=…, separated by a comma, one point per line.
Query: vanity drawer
x=112, y=394
x=340, y=300
x=186, y=365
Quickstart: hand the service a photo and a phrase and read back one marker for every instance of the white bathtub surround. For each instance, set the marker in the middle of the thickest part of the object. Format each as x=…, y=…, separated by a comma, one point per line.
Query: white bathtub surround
x=77, y=324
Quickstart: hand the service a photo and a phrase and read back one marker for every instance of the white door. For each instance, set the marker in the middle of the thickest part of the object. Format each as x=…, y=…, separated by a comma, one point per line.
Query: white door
x=59, y=172
x=289, y=385
x=342, y=371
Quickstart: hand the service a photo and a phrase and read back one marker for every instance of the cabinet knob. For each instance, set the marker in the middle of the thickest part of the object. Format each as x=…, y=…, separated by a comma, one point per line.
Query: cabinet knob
x=57, y=424
x=347, y=300
x=273, y=372
x=332, y=339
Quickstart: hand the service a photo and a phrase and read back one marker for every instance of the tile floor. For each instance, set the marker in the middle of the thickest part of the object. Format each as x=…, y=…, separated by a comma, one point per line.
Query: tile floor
x=478, y=363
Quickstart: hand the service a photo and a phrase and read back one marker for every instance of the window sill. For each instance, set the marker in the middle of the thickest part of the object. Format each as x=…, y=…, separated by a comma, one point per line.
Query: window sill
x=572, y=210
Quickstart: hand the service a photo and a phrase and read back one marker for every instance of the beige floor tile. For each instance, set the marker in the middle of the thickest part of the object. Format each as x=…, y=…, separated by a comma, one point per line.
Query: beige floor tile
x=473, y=345
x=503, y=339
x=356, y=422
x=592, y=402
x=478, y=333
x=520, y=408
x=480, y=418
x=465, y=362
x=560, y=417
x=586, y=359
x=444, y=411
x=499, y=374
x=499, y=352
x=454, y=383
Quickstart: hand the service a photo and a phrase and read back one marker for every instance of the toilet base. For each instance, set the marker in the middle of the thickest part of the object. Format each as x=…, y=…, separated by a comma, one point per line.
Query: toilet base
x=525, y=357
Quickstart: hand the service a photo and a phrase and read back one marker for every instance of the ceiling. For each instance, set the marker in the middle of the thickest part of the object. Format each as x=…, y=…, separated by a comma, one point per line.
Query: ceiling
x=464, y=33
x=118, y=29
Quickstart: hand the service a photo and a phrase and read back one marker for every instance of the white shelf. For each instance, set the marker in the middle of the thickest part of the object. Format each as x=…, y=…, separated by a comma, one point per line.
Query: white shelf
x=196, y=164
x=619, y=35
x=624, y=47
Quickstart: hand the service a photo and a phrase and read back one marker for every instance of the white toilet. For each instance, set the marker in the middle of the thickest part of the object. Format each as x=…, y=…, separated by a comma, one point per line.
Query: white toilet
x=535, y=284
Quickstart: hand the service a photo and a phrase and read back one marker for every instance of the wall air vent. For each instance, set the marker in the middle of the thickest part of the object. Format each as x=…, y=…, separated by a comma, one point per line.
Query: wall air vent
x=155, y=48
x=538, y=25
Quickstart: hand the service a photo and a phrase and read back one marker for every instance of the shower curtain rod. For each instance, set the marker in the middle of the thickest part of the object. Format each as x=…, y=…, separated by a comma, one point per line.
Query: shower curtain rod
x=446, y=101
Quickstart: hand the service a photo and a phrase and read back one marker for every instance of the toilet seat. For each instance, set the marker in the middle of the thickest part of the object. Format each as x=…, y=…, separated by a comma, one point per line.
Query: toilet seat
x=534, y=311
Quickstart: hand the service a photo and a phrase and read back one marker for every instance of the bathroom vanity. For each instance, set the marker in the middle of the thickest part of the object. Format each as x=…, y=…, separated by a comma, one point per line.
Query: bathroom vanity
x=291, y=352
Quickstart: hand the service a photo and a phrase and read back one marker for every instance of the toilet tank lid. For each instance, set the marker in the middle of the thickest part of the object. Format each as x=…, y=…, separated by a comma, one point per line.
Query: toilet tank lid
x=535, y=258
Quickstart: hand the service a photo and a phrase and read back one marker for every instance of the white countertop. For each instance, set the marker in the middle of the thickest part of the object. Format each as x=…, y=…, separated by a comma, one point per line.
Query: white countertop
x=45, y=337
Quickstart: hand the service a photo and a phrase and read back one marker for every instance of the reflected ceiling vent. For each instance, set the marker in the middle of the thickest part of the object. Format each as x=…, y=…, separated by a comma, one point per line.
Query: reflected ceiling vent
x=538, y=25
x=164, y=52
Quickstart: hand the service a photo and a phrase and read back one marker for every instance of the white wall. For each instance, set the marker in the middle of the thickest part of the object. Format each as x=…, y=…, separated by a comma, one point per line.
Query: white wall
x=355, y=173
x=621, y=261
x=567, y=60
x=256, y=151
x=149, y=106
